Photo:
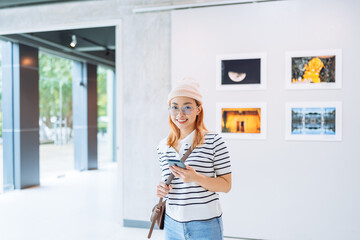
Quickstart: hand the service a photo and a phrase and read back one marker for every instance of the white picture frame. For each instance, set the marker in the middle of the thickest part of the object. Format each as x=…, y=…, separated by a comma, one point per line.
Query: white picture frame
x=297, y=59
x=246, y=127
x=254, y=63
x=317, y=129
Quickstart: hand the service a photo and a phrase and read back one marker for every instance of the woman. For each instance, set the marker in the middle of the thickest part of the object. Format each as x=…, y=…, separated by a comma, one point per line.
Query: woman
x=192, y=207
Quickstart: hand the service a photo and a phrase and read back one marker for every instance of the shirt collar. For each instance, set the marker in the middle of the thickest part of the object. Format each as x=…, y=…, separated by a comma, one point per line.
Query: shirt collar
x=188, y=139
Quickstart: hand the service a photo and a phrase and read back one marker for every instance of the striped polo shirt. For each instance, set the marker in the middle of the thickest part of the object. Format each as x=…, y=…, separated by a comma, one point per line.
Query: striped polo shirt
x=189, y=201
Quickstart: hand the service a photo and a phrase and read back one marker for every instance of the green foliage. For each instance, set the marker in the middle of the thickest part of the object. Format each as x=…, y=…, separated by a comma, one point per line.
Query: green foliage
x=102, y=98
x=55, y=72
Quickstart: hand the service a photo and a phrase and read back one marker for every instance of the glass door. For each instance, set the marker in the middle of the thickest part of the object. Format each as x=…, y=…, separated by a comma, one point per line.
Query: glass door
x=105, y=98
x=55, y=120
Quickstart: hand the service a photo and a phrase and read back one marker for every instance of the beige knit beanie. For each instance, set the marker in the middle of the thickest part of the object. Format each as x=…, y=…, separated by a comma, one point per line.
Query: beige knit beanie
x=186, y=87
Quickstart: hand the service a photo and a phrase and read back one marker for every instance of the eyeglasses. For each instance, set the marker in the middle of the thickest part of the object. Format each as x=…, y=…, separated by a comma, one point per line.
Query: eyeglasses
x=187, y=110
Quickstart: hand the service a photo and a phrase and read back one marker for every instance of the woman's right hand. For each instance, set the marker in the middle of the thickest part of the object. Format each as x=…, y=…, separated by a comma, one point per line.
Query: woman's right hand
x=162, y=189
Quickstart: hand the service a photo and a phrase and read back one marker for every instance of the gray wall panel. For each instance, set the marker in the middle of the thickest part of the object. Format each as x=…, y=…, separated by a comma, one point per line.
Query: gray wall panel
x=17, y=160
x=92, y=115
x=30, y=168
x=26, y=116
x=92, y=148
x=29, y=98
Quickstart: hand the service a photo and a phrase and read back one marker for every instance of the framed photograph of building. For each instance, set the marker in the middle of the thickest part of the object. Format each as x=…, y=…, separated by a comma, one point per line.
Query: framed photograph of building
x=241, y=120
x=241, y=71
x=314, y=121
x=314, y=69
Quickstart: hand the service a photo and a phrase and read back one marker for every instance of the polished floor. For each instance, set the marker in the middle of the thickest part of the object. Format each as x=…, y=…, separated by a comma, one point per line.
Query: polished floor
x=70, y=206
x=76, y=206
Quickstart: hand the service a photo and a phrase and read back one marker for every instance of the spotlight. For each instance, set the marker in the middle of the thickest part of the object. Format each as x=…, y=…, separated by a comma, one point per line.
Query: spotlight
x=73, y=41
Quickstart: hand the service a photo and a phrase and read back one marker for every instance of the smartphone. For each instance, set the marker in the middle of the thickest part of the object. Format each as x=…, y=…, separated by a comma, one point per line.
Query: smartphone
x=175, y=162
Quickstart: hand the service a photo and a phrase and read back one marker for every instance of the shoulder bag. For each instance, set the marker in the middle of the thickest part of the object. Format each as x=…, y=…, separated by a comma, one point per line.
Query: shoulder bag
x=158, y=211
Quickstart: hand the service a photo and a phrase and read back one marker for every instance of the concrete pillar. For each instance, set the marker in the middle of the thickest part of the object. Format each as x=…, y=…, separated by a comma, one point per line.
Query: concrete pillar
x=20, y=103
x=85, y=115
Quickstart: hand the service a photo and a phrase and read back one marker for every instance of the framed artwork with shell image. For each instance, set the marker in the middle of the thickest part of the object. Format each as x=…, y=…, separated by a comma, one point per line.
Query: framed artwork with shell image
x=241, y=71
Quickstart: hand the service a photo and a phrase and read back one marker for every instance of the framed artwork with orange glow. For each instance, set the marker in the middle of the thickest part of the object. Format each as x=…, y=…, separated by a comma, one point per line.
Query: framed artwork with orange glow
x=314, y=69
x=241, y=120
x=241, y=71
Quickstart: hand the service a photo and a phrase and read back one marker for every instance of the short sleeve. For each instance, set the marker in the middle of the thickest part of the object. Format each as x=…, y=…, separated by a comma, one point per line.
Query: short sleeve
x=162, y=156
x=222, y=164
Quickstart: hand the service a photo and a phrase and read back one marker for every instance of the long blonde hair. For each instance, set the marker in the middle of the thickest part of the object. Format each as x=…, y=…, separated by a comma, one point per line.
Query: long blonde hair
x=200, y=131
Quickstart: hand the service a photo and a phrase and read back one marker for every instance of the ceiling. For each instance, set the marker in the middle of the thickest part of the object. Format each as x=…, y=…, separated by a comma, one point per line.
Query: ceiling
x=18, y=3
x=96, y=45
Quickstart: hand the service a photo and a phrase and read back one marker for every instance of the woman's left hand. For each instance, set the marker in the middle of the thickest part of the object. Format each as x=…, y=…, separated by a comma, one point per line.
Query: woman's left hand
x=186, y=175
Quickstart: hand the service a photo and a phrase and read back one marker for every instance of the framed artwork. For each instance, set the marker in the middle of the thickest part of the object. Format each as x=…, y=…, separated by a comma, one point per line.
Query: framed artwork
x=241, y=120
x=318, y=121
x=241, y=71
x=313, y=69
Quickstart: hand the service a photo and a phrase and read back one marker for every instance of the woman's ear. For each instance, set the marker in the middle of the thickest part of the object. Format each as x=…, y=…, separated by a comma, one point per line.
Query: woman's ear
x=198, y=110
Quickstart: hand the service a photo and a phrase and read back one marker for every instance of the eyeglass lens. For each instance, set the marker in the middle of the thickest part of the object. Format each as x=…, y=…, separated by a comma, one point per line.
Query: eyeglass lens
x=187, y=110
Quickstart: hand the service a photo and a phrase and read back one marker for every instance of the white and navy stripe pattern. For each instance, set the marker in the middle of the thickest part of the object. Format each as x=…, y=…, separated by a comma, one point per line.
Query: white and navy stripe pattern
x=189, y=201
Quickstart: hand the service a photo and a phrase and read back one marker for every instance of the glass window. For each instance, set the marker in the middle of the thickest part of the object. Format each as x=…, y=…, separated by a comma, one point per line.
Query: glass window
x=55, y=120
x=105, y=82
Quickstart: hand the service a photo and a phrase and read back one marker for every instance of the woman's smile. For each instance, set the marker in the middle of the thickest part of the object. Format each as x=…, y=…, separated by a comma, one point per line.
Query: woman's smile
x=181, y=121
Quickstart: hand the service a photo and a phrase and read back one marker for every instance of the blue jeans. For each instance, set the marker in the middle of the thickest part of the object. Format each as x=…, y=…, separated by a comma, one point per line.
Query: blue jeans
x=196, y=230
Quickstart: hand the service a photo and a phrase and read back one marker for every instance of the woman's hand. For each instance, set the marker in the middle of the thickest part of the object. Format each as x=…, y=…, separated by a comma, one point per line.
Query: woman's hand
x=186, y=175
x=162, y=189
x=213, y=184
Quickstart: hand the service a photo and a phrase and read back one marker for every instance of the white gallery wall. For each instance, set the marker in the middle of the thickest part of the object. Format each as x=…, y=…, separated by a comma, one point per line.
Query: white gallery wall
x=282, y=189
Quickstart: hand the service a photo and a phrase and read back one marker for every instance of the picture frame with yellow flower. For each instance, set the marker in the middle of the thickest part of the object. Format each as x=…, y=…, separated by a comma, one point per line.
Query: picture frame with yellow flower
x=317, y=69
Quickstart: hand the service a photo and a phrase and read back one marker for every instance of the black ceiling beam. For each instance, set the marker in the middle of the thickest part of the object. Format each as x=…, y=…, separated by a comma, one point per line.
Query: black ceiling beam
x=58, y=49
x=108, y=50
